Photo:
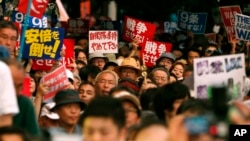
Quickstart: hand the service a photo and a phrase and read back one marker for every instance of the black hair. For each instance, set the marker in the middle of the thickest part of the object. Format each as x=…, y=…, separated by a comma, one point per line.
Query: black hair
x=109, y=64
x=146, y=99
x=195, y=106
x=80, y=62
x=78, y=50
x=88, y=70
x=194, y=49
x=8, y=24
x=167, y=95
x=10, y=130
x=106, y=107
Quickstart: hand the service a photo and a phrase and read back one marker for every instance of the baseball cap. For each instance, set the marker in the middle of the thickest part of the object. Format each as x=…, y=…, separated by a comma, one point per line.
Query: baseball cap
x=46, y=111
x=166, y=55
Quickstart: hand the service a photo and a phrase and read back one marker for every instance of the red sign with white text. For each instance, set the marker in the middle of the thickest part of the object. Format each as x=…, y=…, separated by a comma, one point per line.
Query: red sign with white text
x=103, y=41
x=38, y=7
x=152, y=50
x=228, y=16
x=134, y=28
x=56, y=80
x=26, y=86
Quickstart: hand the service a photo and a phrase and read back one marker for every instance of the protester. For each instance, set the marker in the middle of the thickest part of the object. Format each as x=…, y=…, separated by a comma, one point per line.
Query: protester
x=160, y=75
x=48, y=119
x=98, y=59
x=166, y=60
x=86, y=92
x=68, y=107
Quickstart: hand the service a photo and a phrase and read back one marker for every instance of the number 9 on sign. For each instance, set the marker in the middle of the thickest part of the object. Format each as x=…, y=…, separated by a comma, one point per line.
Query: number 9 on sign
x=184, y=16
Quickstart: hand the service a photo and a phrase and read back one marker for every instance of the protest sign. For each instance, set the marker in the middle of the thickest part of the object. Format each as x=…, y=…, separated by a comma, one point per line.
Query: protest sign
x=226, y=70
x=56, y=81
x=228, y=16
x=242, y=27
x=134, y=28
x=211, y=37
x=152, y=50
x=170, y=27
x=42, y=64
x=77, y=26
x=43, y=43
x=194, y=22
x=33, y=21
x=38, y=7
x=103, y=41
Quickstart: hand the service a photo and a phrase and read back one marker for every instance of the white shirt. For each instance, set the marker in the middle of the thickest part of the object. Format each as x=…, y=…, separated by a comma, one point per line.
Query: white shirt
x=8, y=99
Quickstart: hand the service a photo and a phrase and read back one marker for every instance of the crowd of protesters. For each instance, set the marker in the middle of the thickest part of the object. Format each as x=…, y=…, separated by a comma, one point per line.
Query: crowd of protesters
x=109, y=97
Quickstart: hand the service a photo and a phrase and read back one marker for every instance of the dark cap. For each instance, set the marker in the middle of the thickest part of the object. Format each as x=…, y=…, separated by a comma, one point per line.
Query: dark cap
x=166, y=55
x=67, y=97
x=4, y=53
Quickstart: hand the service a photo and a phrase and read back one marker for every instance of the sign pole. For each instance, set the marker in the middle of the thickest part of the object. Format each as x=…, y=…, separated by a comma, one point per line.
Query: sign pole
x=25, y=26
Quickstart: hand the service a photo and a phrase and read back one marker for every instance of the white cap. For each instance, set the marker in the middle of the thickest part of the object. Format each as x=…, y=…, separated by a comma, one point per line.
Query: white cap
x=46, y=111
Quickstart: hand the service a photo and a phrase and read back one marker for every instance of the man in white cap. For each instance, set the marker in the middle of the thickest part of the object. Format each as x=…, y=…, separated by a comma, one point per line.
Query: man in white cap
x=98, y=59
x=48, y=118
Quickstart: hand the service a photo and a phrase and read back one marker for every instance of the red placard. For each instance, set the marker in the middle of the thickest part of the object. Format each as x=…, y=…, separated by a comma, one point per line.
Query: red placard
x=152, y=50
x=38, y=7
x=134, y=28
x=26, y=86
x=56, y=81
x=228, y=16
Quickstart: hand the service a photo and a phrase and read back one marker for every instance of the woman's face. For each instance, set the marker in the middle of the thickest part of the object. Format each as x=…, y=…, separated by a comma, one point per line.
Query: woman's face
x=82, y=56
x=178, y=71
x=32, y=85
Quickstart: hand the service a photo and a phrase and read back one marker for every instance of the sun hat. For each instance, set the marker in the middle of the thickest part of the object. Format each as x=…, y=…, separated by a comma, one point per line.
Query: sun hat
x=67, y=96
x=96, y=55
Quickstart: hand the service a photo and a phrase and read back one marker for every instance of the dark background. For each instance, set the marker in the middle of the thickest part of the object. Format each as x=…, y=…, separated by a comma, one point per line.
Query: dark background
x=153, y=10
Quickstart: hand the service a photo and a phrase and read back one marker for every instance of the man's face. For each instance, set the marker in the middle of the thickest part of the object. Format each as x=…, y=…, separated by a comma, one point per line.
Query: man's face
x=132, y=118
x=69, y=113
x=18, y=75
x=101, y=129
x=8, y=38
x=83, y=43
x=99, y=62
x=128, y=73
x=105, y=83
x=191, y=56
x=167, y=63
x=160, y=77
x=86, y=93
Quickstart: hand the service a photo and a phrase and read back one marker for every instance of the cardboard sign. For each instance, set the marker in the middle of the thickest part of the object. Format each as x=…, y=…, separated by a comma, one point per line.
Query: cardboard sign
x=56, y=80
x=103, y=41
x=228, y=16
x=211, y=37
x=77, y=26
x=194, y=22
x=170, y=27
x=152, y=50
x=228, y=70
x=43, y=43
x=134, y=28
x=38, y=7
x=33, y=21
x=242, y=27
